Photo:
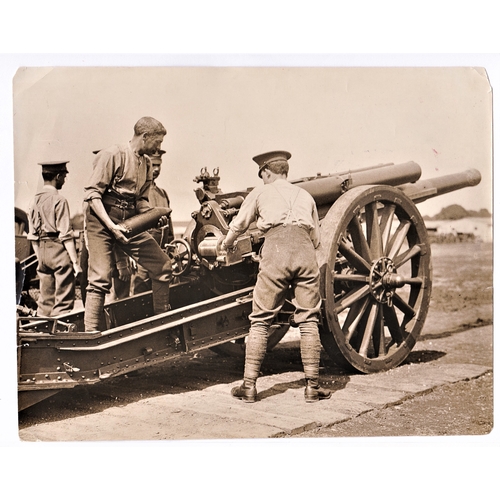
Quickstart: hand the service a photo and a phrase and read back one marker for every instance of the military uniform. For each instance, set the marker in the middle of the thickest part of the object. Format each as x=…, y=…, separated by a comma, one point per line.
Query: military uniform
x=122, y=180
x=158, y=197
x=120, y=288
x=50, y=226
x=288, y=217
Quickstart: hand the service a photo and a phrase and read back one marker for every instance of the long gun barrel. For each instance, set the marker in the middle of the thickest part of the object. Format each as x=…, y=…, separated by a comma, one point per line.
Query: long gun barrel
x=406, y=176
x=429, y=188
x=327, y=189
x=218, y=208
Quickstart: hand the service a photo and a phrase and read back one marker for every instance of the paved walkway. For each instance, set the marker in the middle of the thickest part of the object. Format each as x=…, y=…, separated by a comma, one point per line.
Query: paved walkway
x=281, y=410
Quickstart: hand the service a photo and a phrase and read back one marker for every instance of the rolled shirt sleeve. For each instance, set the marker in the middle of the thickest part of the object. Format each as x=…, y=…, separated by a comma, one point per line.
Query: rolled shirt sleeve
x=102, y=175
x=247, y=214
x=63, y=220
x=119, y=169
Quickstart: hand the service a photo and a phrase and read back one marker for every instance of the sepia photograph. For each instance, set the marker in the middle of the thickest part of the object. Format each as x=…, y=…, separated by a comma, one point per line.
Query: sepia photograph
x=214, y=252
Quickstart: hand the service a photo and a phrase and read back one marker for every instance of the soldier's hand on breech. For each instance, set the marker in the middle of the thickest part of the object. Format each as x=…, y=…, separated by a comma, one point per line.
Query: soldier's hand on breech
x=163, y=222
x=224, y=247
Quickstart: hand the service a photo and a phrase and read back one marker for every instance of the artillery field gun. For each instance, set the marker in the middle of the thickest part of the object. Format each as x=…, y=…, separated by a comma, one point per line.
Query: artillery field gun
x=376, y=278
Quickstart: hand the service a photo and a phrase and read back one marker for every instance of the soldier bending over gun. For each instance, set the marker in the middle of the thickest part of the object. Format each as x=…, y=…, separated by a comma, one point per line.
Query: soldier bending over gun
x=288, y=216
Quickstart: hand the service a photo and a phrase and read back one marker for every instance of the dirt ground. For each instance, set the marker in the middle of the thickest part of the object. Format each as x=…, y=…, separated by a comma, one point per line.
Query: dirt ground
x=462, y=288
x=463, y=408
x=462, y=298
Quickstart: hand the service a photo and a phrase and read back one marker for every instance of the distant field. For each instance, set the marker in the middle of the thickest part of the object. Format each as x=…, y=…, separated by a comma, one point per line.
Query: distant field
x=480, y=228
x=462, y=289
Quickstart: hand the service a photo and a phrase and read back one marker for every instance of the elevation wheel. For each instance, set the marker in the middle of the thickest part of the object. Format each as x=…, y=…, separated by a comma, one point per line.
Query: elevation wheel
x=179, y=252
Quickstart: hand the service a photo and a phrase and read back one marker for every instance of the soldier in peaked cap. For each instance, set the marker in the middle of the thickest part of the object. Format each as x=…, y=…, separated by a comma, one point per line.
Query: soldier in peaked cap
x=54, y=167
x=158, y=197
x=265, y=159
x=51, y=234
x=289, y=219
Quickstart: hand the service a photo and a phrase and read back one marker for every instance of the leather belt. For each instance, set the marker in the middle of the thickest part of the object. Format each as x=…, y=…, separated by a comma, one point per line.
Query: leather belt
x=53, y=235
x=117, y=201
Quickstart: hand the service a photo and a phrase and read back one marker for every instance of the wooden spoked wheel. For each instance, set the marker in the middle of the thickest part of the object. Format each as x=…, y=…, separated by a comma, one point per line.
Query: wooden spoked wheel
x=376, y=278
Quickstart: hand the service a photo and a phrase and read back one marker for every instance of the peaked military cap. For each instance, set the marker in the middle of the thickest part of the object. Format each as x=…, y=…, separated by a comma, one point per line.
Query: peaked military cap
x=54, y=167
x=265, y=159
x=158, y=153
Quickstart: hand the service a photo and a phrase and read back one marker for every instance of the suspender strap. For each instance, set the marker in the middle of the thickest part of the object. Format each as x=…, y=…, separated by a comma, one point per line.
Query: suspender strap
x=289, y=214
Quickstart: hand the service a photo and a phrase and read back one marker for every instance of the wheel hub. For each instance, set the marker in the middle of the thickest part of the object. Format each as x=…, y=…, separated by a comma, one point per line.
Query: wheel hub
x=384, y=280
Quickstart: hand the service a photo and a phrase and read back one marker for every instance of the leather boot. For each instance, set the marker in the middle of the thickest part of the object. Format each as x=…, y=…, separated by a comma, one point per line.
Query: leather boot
x=254, y=355
x=161, y=296
x=246, y=392
x=313, y=392
x=94, y=312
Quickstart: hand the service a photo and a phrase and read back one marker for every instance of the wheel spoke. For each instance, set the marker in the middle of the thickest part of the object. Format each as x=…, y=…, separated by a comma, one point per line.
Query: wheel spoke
x=351, y=298
x=403, y=306
x=413, y=281
x=374, y=235
x=370, y=325
x=379, y=337
x=354, y=317
x=406, y=256
x=358, y=239
x=391, y=320
x=356, y=260
x=386, y=223
x=398, y=239
x=358, y=278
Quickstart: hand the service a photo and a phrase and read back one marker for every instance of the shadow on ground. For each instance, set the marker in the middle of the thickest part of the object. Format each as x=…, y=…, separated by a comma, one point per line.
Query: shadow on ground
x=192, y=372
x=416, y=357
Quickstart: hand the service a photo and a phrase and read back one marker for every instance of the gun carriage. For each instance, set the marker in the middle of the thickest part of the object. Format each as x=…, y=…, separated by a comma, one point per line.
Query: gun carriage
x=376, y=280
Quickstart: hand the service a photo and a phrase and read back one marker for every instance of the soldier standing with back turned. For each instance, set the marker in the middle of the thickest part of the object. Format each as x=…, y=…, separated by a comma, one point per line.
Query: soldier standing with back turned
x=51, y=234
x=288, y=216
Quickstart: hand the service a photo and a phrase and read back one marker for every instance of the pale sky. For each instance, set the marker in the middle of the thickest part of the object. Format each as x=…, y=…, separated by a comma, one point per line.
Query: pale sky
x=331, y=119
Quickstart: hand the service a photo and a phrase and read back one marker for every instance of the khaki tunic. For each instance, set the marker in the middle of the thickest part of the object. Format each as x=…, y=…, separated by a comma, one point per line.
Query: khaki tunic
x=50, y=224
x=288, y=217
